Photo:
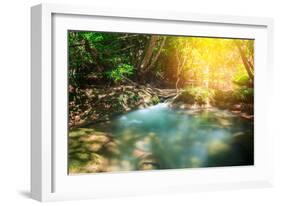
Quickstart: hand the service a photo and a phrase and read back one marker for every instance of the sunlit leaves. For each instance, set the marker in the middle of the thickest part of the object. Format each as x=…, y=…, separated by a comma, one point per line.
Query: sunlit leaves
x=212, y=62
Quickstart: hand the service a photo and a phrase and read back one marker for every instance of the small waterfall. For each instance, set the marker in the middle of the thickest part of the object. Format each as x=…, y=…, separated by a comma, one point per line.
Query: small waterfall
x=159, y=105
x=170, y=100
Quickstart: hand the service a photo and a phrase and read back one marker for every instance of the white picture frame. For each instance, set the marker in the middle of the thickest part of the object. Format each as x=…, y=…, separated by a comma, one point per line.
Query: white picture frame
x=49, y=178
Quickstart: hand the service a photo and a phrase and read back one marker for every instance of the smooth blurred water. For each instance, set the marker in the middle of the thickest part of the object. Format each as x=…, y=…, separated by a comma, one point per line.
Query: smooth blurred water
x=160, y=137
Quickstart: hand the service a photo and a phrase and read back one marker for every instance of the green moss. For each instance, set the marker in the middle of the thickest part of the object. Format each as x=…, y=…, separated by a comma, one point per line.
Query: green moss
x=75, y=133
x=155, y=100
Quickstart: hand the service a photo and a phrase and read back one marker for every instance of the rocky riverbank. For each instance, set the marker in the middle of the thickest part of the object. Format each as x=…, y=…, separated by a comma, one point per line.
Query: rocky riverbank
x=99, y=104
x=226, y=100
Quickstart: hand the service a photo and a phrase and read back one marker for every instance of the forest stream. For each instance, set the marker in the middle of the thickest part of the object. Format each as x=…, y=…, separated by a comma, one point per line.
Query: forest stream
x=151, y=102
x=161, y=137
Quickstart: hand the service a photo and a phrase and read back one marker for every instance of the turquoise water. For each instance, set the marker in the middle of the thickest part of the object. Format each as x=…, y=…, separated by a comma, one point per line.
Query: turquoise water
x=160, y=137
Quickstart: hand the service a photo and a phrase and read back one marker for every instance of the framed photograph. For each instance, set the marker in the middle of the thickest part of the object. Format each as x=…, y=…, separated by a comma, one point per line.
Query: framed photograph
x=138, y=102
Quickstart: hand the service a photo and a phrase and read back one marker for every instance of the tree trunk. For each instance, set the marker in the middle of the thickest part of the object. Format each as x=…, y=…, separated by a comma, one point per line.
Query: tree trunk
x=154, y=60
x=180, y=67
x=148, y=52
x=177, y=82
x=245, y=62
x=94, y=55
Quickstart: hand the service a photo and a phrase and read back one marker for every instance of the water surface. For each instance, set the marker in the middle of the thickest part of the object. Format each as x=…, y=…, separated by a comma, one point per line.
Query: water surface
x=160, y=137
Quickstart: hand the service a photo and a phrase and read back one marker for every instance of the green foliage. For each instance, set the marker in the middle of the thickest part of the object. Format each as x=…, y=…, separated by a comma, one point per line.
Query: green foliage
x=113, y=55
x=198, y=95
x=241, y=79
x=123, y=70
x=135, y=97
x=239, y=95
x=244, y=94
x=222, y=98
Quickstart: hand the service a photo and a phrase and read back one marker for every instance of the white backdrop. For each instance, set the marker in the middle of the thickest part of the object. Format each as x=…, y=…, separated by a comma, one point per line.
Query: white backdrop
x=15, y=103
